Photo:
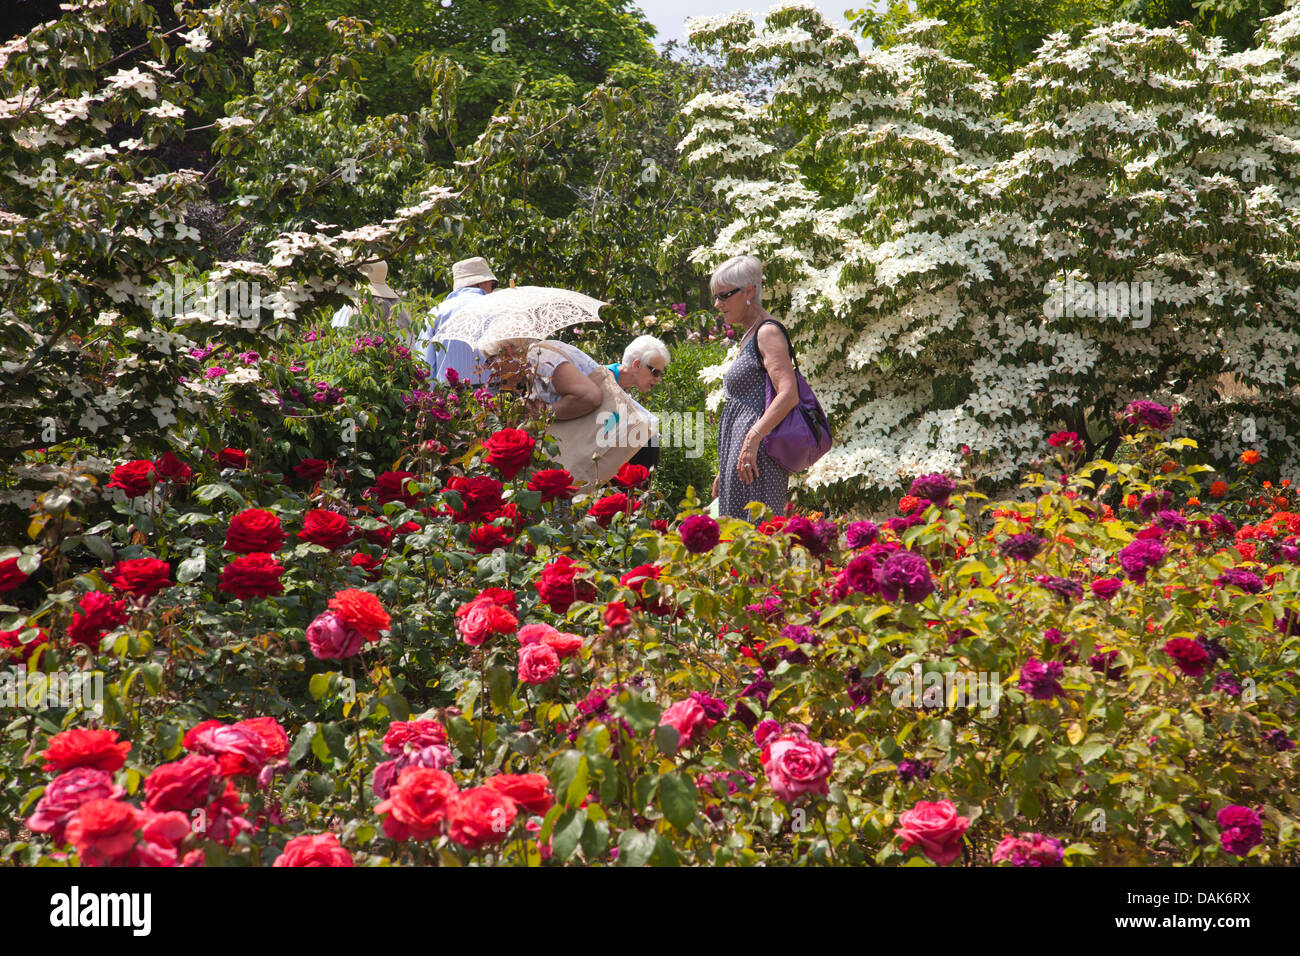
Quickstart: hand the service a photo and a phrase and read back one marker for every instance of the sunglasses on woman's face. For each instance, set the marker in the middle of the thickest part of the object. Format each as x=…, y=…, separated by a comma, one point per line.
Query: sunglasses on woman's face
x=724, y=296
x=655, y=372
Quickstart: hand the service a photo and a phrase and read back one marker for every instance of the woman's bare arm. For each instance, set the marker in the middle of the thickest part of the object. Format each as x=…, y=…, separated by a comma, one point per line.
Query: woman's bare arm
x=579, y=395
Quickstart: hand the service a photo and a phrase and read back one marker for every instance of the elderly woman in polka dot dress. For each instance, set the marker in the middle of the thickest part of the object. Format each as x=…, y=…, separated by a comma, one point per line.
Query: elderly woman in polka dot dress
x=745, y=471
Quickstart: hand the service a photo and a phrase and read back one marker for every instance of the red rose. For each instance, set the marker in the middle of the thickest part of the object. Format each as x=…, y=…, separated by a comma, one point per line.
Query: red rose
x=239, y=750
x=487, y=538
x=479, y=497
x=552, y=483
x=252, y=576
x=99, y=613
x=382, y=536
x=232, y=458
x=170, y=468
x=558, y=585
x=85, y=748
x=140, y=577
x=517, y=521
x=605, y=509
x=412, y=734
x=273, y=735
x=532, y=791
x=391, y=486
x=183, y=784
x=103, y=831
x=502, y=596
x=509, y=451
x=323, y=849
x=254, y=530
x=936, y=828
x=481, y=816
x=136, y=478
x=66, y=793
x=632, y=476
x=360, y=611
x=10, y=576
x=327, y=528
x=311, y=469
x=417, y=804
x=372, y=566
x=12, y=641
x=617, y=615
x=636, y=579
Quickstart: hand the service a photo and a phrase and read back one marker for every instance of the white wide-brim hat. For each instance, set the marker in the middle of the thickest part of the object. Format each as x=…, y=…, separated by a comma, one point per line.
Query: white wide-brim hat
x=377, y=273
x=470, y=272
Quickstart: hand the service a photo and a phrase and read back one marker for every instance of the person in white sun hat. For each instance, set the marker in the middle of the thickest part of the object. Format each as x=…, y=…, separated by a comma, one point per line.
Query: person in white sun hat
x=469, y=278
x=377, y=288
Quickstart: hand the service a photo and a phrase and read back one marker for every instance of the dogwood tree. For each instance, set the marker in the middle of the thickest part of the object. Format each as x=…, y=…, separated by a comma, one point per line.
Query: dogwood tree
x=970, y=264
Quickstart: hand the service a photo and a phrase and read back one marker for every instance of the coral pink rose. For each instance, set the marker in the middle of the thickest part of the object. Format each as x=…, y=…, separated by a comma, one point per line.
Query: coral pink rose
x=538, y=663
x=103, y=831
x=689, y=720
x=86, y=748
x=480, y=816
x=323, y=849
x=935, y=828
x=532, y=791
x=183, y=784
x=417, y=804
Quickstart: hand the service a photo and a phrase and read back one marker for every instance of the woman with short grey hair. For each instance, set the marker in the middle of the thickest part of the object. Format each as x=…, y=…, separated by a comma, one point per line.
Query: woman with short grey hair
x=644, y=362
x=745, y=471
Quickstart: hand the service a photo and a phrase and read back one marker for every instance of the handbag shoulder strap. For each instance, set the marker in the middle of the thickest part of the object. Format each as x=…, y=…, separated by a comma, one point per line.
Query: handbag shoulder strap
x=794, y=361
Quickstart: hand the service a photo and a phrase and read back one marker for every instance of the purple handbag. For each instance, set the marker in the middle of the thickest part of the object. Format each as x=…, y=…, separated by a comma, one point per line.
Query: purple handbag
x=804, y=435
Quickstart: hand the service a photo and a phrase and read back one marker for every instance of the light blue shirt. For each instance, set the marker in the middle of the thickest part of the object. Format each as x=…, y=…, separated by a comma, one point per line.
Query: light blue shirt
x=459, y=356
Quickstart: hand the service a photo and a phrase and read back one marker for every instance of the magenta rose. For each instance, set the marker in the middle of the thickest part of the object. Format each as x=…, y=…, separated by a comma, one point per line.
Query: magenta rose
x=1240, y=829
x=330, y=639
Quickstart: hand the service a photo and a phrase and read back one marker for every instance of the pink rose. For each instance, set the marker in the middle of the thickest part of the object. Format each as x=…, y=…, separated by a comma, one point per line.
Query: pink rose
x=688, y=718
x=935, y=828
x=535, y=633
x=796, y=765
x=66, y=793
x=537, y=663
x=331, y=639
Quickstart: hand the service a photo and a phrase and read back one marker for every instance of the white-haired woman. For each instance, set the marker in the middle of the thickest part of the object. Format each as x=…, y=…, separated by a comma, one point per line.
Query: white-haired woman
x=745, y=471
x=644, y=362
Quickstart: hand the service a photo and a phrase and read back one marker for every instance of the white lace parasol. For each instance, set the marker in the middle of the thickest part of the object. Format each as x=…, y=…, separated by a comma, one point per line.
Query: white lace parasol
x=525, y=312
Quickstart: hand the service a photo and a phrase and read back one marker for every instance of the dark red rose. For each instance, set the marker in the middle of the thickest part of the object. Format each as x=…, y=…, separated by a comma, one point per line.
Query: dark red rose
x=488, y=537
x=518, y=522
x=85, y=748
x=98, y=614
x=140, y=577
x=183, y=784
x=311, y=469
x=509, y=451
x=605, y=509
x=327, y=528
x=136, y=478
x=254, y=530
x=559, y=587
x=391, y=486
x=170, y=468
x=552, y=483
x=382, y=536
x=10, y=576
x=660, y=525
x=232, y=458
x=372, y=566
x=699, y=533
x=252, y=576
x=479, y=496
x=632, y=476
